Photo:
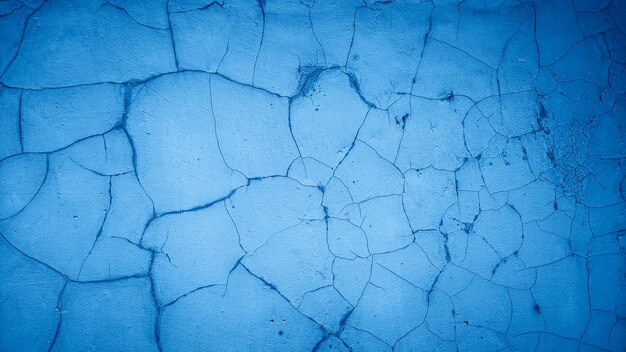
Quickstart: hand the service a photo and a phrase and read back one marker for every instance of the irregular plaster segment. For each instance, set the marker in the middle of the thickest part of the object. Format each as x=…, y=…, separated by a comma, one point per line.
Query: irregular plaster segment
x=362, y=341
x=98, y=54
x=346, y=240
x=129, y=322
x=178, y=156
x=113, y=258
x=271, y=206
x=350, y=276
x=555, y=37
x=222, y=39
x=109, y=154
x=52, y=119
x=495, y=313
x=423, y=208
x=465, y=74
x=471, y=25
x=378, y=178
x=422, y=336
x=433, y=135
x=288, y=49
x=507, y=171
x=295, y=260
x=569, y=315
x=64, y=237
x=252, y=128
x=246, y=315
x=130, y=210
x=387, y=47
x=10, y=123
x=327, y=307
x=326, y=117
x=21, y=178
x=382, y=131
x=39, y=293
x=405, y=263
x=332, y=24
x=385, y=224
x=194, y=249
x=381, y=302
x=310, y=172
x=151, y=13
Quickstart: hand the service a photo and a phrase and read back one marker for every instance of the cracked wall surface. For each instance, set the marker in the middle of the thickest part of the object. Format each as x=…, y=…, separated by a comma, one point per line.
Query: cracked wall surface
x=312, y=175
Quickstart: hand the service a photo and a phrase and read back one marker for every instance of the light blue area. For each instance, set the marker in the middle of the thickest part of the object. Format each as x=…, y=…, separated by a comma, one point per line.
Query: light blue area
x=298, y=175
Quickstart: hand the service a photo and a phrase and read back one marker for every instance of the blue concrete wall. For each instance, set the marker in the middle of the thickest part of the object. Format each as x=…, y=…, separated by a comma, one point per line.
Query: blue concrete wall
x=312, y=175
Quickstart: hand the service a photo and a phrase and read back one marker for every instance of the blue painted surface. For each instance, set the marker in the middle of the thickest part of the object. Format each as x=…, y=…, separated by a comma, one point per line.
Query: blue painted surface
x=187, y=175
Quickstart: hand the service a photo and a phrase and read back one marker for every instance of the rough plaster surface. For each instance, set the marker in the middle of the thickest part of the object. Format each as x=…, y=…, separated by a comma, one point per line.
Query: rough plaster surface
x=312, y=175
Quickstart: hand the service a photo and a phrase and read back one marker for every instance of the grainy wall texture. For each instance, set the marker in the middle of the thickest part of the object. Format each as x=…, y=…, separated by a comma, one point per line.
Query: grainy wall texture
x=312, y=175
